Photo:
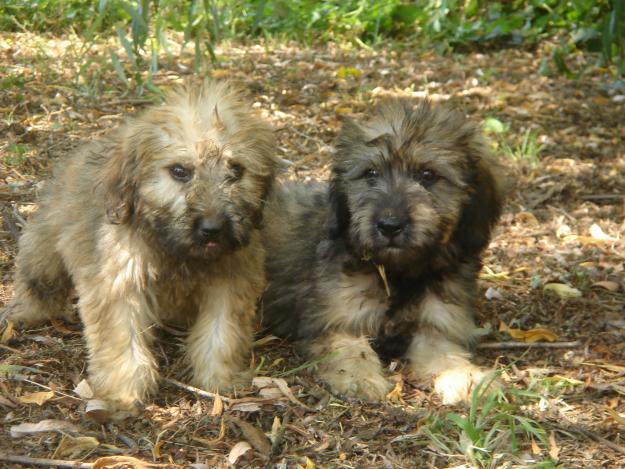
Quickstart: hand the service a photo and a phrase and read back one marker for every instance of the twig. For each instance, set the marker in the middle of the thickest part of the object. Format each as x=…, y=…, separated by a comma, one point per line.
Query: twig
x=603, y=197
x=306, y=136
x=10, y=349
x=194, y=390
x=603, y=441
x=133, y=101
x=16, y=377
x=514, y=344
x=212, y=395
x=27, y=461
x=593, y=436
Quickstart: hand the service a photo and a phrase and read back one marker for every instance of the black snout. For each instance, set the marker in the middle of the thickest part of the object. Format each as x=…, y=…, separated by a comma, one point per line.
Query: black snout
x=390, y=226
x=208, y=229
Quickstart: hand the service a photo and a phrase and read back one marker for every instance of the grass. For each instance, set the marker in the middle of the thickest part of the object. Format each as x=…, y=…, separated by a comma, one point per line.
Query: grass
x=494, y=425
x=143, y=29
x=527, y=151
x=16, y=155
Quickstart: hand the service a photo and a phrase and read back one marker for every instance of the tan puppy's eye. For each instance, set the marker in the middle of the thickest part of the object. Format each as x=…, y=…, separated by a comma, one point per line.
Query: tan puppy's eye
x=236, y=171
x=180, y=173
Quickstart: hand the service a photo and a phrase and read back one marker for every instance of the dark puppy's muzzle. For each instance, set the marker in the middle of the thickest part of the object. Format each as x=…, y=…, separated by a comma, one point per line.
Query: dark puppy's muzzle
x=391, y=226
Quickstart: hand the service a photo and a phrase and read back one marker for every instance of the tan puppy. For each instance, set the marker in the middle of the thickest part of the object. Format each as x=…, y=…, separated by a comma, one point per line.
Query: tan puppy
x=389, y=251
x=156, y=222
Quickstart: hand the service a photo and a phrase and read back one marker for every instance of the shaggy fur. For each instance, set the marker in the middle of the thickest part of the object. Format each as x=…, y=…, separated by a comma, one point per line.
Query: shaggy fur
x=158, y=221
x=389, y=251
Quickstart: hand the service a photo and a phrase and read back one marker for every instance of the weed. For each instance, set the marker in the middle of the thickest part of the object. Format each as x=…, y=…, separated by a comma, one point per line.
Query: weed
x=527, y=151
x=492, y=426
x=16, y=155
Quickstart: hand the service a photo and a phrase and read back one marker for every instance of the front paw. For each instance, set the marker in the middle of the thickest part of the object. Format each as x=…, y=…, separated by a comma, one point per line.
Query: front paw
x=457, y=384
x=223, y=381
x=101, y=410
x=364, y=384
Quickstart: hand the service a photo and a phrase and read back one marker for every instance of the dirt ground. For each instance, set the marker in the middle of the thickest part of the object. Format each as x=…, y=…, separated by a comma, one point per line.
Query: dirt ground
x=564, y=223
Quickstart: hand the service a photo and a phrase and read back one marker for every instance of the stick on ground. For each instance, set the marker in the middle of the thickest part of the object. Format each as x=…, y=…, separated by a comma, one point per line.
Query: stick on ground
x=28, y=461
x=514, y=344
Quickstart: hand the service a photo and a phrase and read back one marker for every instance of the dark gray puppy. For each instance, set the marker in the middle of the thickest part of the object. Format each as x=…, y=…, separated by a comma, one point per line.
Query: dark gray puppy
x=384, y=260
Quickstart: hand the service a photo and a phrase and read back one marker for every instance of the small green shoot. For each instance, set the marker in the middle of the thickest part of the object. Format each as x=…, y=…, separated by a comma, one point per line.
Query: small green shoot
x=526, y=152
x=491, y=427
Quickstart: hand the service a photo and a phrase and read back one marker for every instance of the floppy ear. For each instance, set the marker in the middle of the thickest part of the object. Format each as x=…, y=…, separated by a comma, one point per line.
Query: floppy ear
x=118, y=180
x=257, y=215
x=351, y=136
x=338, y=213
x=483, y=209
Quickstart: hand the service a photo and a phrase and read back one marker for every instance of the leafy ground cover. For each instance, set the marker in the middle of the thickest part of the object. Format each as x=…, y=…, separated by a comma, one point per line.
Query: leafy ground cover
x=554, y=270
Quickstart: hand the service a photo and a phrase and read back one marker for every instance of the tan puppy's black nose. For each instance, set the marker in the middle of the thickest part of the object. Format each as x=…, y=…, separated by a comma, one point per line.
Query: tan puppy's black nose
x=208, y=229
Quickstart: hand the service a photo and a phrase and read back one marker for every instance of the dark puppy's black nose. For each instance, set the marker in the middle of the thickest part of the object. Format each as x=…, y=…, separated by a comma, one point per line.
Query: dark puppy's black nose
x=390, y=226
x=208, y=229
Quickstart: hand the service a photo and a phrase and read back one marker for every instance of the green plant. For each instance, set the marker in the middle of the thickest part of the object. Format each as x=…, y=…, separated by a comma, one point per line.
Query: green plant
x=142, y=26
x=16, y=154
x=492, y=426
x=527, y=151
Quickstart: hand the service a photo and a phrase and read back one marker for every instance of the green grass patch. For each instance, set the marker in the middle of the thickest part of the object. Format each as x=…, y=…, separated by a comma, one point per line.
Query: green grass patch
x=527, y=151
x=493, y=427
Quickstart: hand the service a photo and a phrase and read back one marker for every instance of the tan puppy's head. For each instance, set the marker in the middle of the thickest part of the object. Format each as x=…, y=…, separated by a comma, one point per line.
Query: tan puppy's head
x=193, y=173
x=413, y=182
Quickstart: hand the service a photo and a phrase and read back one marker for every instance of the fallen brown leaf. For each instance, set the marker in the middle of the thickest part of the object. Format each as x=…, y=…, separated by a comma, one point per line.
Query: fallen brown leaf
x=562, y=290
x=73, y=447
x=124, y=462
x=238, y=450
x=218, y=407
x=38, y=398
x=8, y=333
x=530, y=336
x=608, y=285
x=554, y=451
x=395, y=394
x=618, y=418
x=49, y=425
x=83, y=389
x=254, y=435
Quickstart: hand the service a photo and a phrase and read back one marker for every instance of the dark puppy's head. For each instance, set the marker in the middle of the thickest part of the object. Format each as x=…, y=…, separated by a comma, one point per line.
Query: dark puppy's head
x=410, y=181
x=193, y=173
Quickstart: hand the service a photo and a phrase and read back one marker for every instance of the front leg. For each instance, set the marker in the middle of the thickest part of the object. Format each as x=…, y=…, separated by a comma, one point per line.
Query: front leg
x=118, y=327
x=221, y=339
x=349, y=365
x=439, y=349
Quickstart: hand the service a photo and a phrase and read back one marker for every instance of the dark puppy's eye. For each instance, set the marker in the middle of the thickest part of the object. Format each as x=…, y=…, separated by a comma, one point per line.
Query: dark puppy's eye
x=236, y=171
x=180, y=173
x=371, y=174
x=426, y=176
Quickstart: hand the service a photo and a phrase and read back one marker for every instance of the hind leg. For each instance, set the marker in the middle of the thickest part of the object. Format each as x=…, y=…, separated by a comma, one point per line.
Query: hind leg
x=42, y=283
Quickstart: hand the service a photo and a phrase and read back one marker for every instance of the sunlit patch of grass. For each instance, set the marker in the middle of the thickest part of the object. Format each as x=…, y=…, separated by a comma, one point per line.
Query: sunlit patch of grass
x=527, y=151
x=493, y=430
x=552, y=387
x=16, y=155
x=9, y=80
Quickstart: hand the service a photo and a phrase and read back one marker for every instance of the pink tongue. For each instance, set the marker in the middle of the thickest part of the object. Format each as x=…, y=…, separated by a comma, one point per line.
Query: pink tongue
x=212, y=244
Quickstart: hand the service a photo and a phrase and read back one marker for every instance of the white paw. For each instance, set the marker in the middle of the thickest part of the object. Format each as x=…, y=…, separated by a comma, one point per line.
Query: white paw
x=224, y=381
x=457, y=384
x=101, y=410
